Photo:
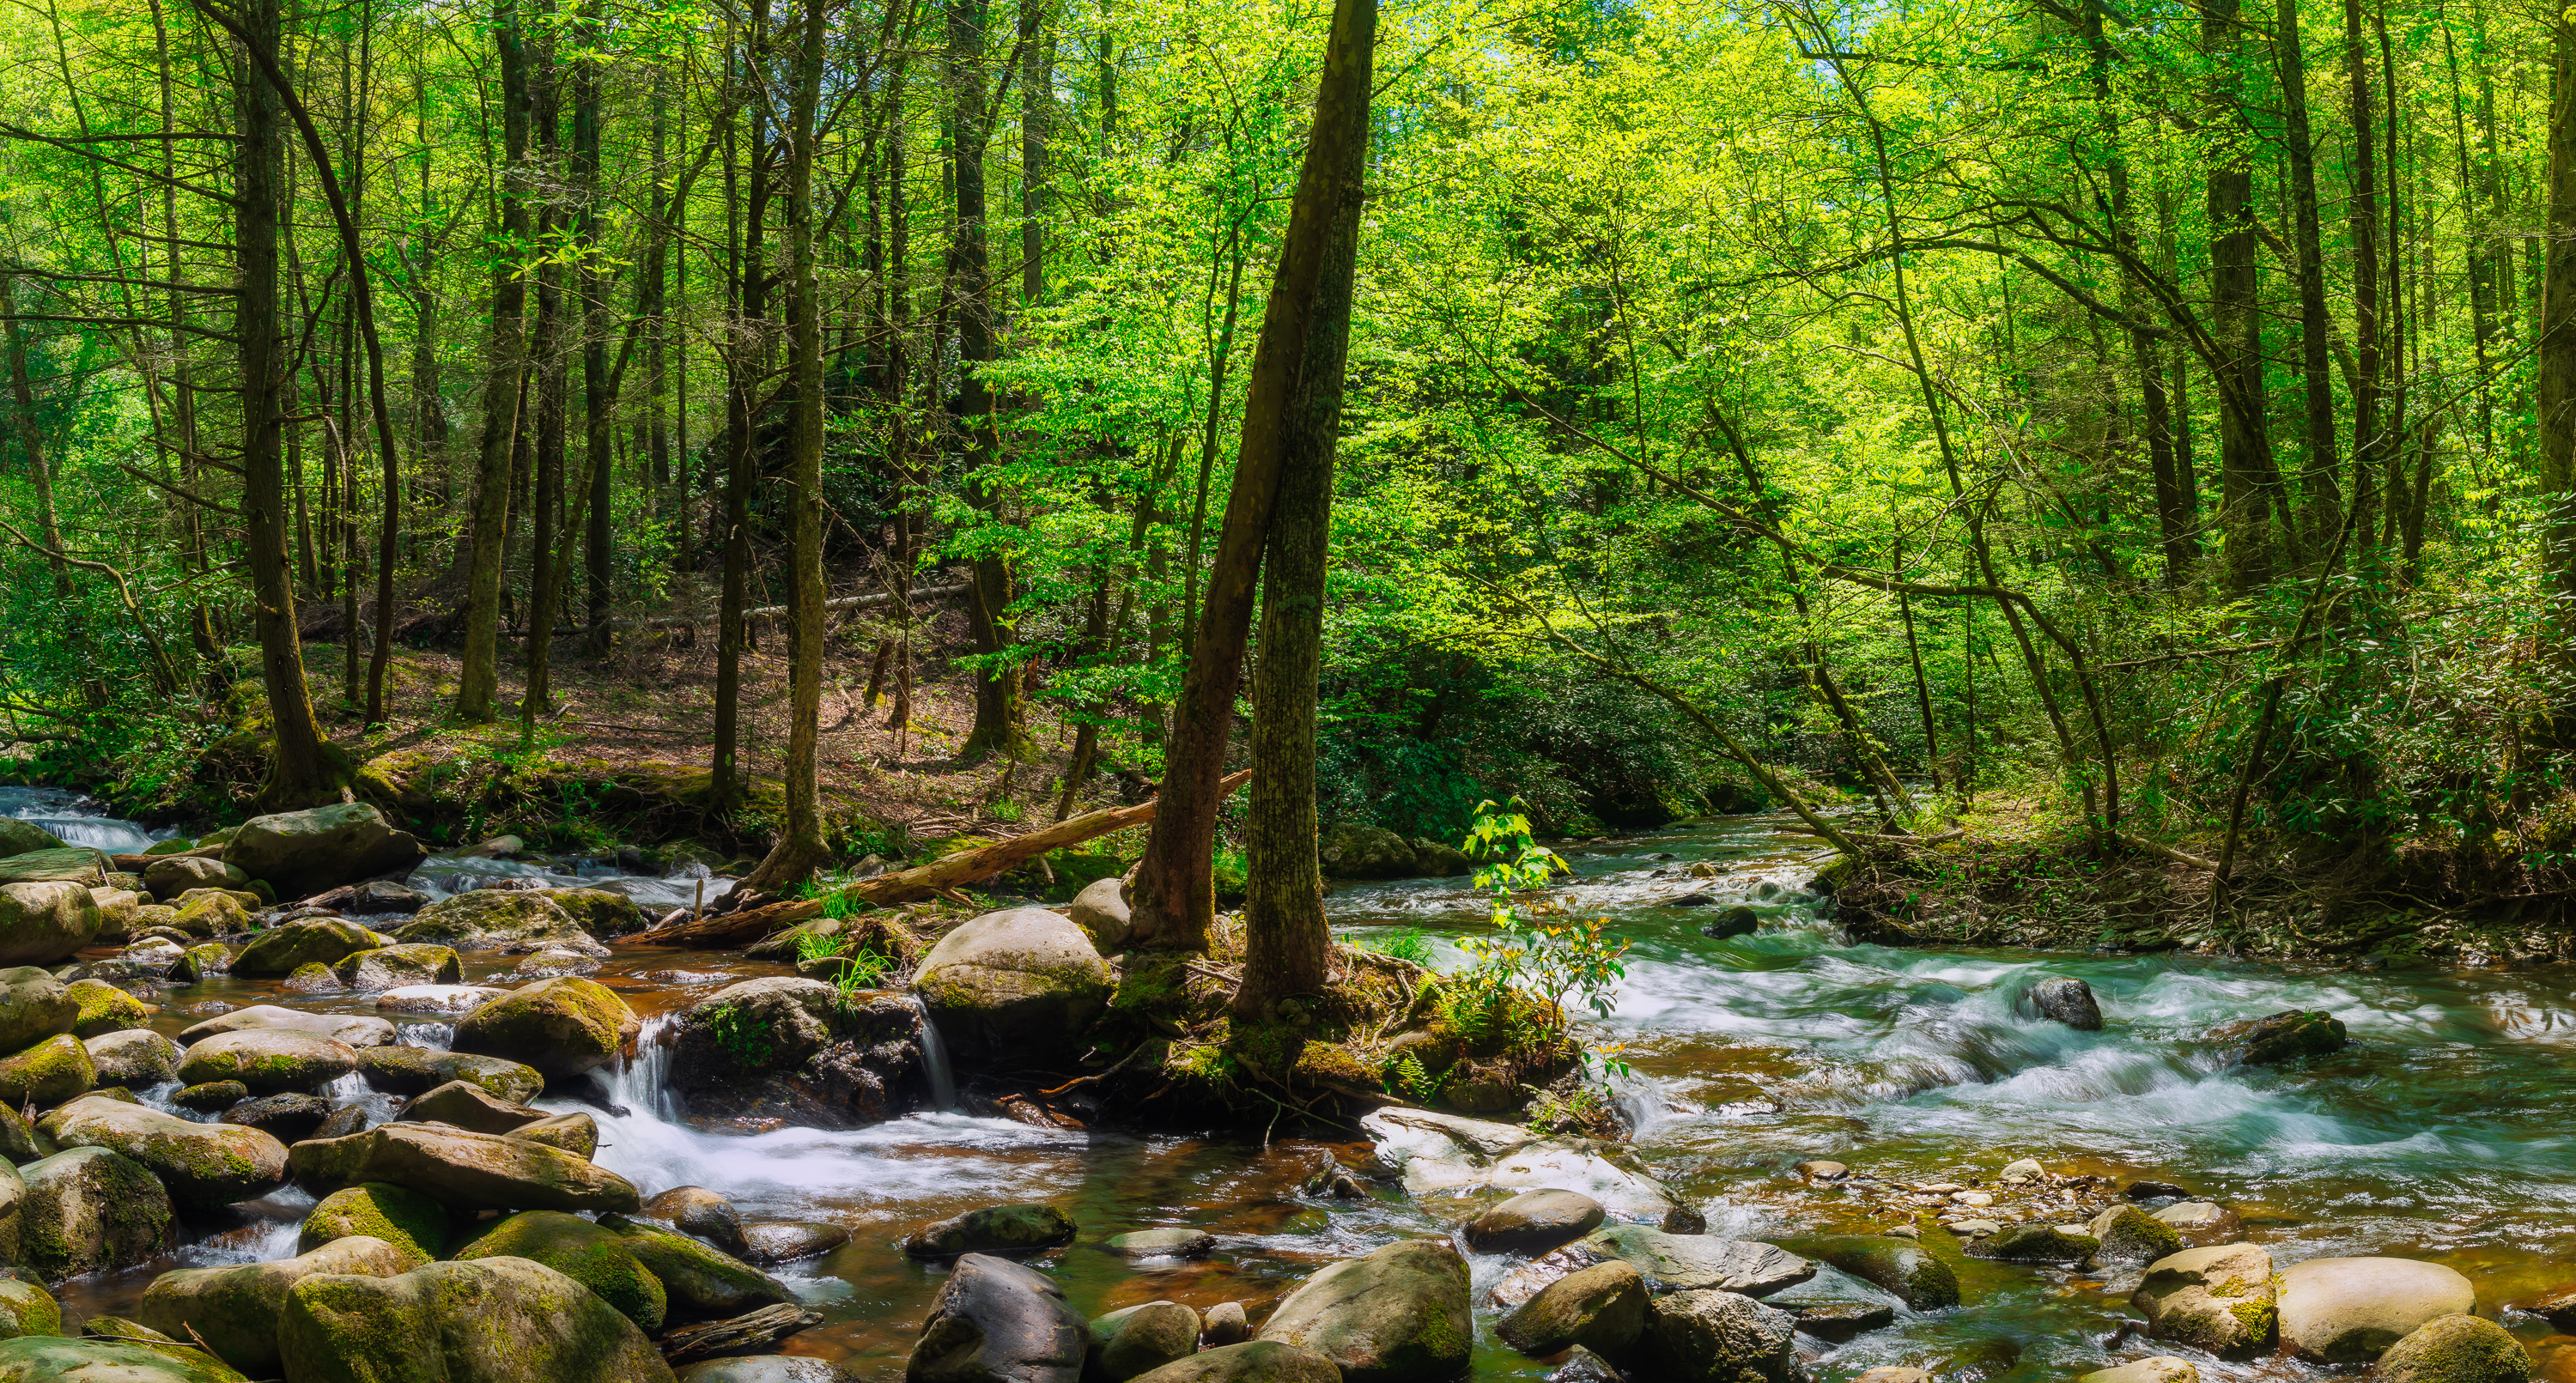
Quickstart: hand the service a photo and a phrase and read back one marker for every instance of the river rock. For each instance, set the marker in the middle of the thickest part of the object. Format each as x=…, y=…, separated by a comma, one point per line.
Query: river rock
x=2284, y=1036
x=19, y=836
x=493, y=1320
x=1449, y=1155
x=78, y=865
x=303, y=853
x=33, y=1007
x=104, y=1008
x=560, y=1027
x=1101, y=910
x=2163, y=1368
x=1356, y=850
x=27, y=1309
x=206, y=912
x=347, y=1029
x=210, y=958
x=994, y=1229
x=796, y=1050
x=2350, y=1310
x=286, y=1118
x=1533, y=1222
x=587, y=1253
x=1720, y=1337
x=436, y=1000
x=268, y=1060
x=1398, y=1314
x=1137, y=1245
x=212, y=1096
x=599, y=911
x=492, y=919
x=699, y=1211
x=1668, y=1262
x=2457, y=1349
x=576, y=1133
x=53, y=1359
x=48, y=1073
x=43, y=922
x=1022, y=981
x=1224, y=1324
x=203, y=1166
x=1732, y=923
x=171, y=875
x=767, y=1368
x=1602, y=1308
x=2067, y=1000
x=2130, y=1235
x=412, y=1070
x=1907, y=1269
x=1255, y=1361
x=91, y=1210
x=397, y=967
x=785, y=1241
x=2040, y=1243
x=995, y=1321
x=234, y=1310
x=703, y=1283
x=2201, y=1222
x=316, y=941
x=468, y=1106
x=375, y=898
x=1840, y=1321
x=461, y=1170
x=2218, y=1299
x=413, y=1224
x=1140, y=1339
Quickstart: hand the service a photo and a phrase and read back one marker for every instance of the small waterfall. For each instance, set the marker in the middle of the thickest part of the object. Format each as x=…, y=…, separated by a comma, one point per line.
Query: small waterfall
x=934, y=1061
x=642, y=1082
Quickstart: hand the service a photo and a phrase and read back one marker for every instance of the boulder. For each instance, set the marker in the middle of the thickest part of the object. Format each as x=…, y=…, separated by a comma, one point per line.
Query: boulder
x=467, y=1106
x=1225, y=1324
x=2163, y=1368
x=53, y=1359
x=203, y=1166
x=214, y=911
x=413, y=1224
x=699, y=1211
x=2041, y=1243
x=767, y=1368
x=1255, y=1361
x=1101, y=910
x=575, y=1133
x=303, y=853
x=1602, y=1308
x=1449, y=1155
x=91, y=1210
x=48, y=1073
x=1720, y=1337
x=283, y=950
x=2279, y=1037
x=2201, y=1222
x=796, y=1050
x=1896, y=1265
x=2130, y=1235
x=43, y=922
x=2350, y=1310
x=1398, y=1314
x=785, y=1241
x=587, y=1253
x=234, y=1310
x=436, y=1000
x=702, y=1283
x=1840, y=1321
x=33, y=1007
x=1023, y=981
x=104, y=1008
x=1137, y=1245
x=411, y=1070
x=396, y=967
x=599, y=911
x=1533, y=1222
x=211, y=958
x=377, y=897
x=1354, y=850
x=27, y=1309
x=2219, y=1299
x=995, y=1321
x=345, y=1120
x=560, y=1027
x=171, y=875
x=1140, y=1339
x=493, y=1320
x=1732, y=923
x=268, y=1060
x=994, y=1229
x=19, y=836
x=492, y=919
x=213, y=1095
x=78, y=865
x=286, y=1118
x=352, y=1030
x=2067, y=1000
x=461, y=1170
x=2457, y=1349
x=1668, y=1262
x=1437, y=860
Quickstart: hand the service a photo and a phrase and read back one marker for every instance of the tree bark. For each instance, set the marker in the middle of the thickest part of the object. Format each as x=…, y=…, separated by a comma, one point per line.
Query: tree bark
x=999, y=715
x=2245, y=458
x=2557, y=362
x=598, y=396
x=2320, y=498
x=479, y=677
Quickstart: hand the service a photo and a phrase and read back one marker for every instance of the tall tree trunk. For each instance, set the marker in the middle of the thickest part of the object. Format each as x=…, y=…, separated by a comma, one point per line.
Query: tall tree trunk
x=1037, y=102
x=1175, y=898
x=2557, y=362
x=554, y=387
x=2372, y=449
x=479, y=676
x=2245, y=458
x=801, y=845
x=31, y=439
x=2318, y=483
x=999, y=718
x=1287, y=946
x=598, y=398
x=746, y=357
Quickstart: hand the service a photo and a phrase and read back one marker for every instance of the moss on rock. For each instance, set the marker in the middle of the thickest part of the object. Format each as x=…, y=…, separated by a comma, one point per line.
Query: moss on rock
x=414, y=1224
x=588, y=1254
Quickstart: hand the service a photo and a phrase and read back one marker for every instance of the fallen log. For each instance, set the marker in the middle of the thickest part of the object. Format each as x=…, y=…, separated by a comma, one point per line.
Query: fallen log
x=921, y=881
x=755, y=1333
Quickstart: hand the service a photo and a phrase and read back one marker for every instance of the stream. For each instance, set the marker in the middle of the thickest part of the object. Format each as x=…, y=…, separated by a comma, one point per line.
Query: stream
x=2440, y=1133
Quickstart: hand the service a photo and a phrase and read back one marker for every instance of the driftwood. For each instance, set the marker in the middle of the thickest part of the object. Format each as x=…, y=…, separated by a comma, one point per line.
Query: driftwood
x=903, y=886
x=756, y=1332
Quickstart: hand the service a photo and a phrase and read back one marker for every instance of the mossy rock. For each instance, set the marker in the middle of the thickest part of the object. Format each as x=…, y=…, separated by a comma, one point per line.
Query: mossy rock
x=994, y=1229
x=314, y=941
x=595, y=1257
x=561, y=1027
x=173, y=846
x=203, y=1166
x=413, y=1070
x=27, y=1309
x=48, y=1073
x=21, y=837
x=43, y=922
x=492, y=1320
x=71, y=864
x=600, y=912
x=414, y=1224
x=33, y=1006
x=211, y=1095
x=393, y=967
x=103, y=1008
x=700, y=1281
x=312, y=977
x=91, y=1210
x=54, y=1359
x=269, y=1060
x=214, y=912
x=233, y=1310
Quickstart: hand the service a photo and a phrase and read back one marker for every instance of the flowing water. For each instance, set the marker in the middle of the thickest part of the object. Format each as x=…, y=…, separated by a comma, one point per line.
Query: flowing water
x=2440, y=1133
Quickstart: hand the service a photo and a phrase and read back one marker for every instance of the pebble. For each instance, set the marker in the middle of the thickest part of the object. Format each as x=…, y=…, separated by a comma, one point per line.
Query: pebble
x=1973, y=1197
x=1821, y=1170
